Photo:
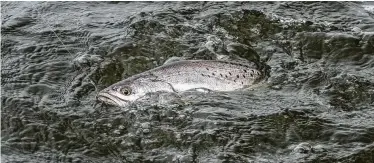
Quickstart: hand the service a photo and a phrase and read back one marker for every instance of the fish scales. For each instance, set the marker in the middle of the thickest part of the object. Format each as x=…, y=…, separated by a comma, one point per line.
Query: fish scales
x=184, y=75
x=213, y=75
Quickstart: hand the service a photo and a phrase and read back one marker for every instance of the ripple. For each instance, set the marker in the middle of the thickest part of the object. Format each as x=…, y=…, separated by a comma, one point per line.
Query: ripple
x=316, y=105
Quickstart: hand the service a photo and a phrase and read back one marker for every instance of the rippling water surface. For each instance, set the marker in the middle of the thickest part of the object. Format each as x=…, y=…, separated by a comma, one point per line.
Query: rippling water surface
x=317, y=105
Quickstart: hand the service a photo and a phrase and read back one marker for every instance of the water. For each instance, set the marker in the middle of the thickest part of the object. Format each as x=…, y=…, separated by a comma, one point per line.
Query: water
x=317, y=105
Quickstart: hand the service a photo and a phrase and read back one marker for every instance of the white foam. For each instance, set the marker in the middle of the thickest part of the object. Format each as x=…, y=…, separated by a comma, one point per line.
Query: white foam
x=369, y=8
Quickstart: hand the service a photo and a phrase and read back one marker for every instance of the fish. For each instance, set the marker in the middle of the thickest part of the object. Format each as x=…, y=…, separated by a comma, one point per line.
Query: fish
x=180, y=76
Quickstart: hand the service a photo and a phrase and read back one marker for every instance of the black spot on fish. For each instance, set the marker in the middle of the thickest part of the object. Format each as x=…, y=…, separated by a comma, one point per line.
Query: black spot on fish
x=245, y=70
x=242, y=83
x=202, y=74
x=243, y=76
x=213, y=74
x=207, y=68
x=258, y=73
x=230, y=73
x=226, y=76
x=253, y=71
x=235, y=81
x=220, y=74
x=251, y=75
x=237, y=76
x=208, y=76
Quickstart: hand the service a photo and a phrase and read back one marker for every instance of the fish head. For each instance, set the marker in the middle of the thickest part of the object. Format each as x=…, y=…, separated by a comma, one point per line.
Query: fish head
x=132, y=89
x=121, y=93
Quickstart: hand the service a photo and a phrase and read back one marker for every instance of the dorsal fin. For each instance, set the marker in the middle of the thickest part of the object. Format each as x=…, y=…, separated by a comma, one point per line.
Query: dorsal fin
x=174, y=59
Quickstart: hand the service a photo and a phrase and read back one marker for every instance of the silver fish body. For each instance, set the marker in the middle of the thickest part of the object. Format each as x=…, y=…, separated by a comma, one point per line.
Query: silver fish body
x=185, y=75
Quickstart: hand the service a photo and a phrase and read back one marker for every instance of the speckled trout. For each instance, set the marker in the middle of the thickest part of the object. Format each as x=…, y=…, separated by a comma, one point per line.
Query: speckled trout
x=185, y=75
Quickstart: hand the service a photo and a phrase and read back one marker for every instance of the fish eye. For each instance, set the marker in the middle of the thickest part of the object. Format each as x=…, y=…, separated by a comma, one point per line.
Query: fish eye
x=126, y=91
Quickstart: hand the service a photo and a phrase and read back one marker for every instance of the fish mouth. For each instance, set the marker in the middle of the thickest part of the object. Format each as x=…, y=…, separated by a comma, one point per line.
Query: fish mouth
x=110, y=99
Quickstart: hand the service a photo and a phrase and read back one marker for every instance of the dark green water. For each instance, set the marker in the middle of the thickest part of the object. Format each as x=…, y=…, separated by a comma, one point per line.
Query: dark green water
x=317, y=105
